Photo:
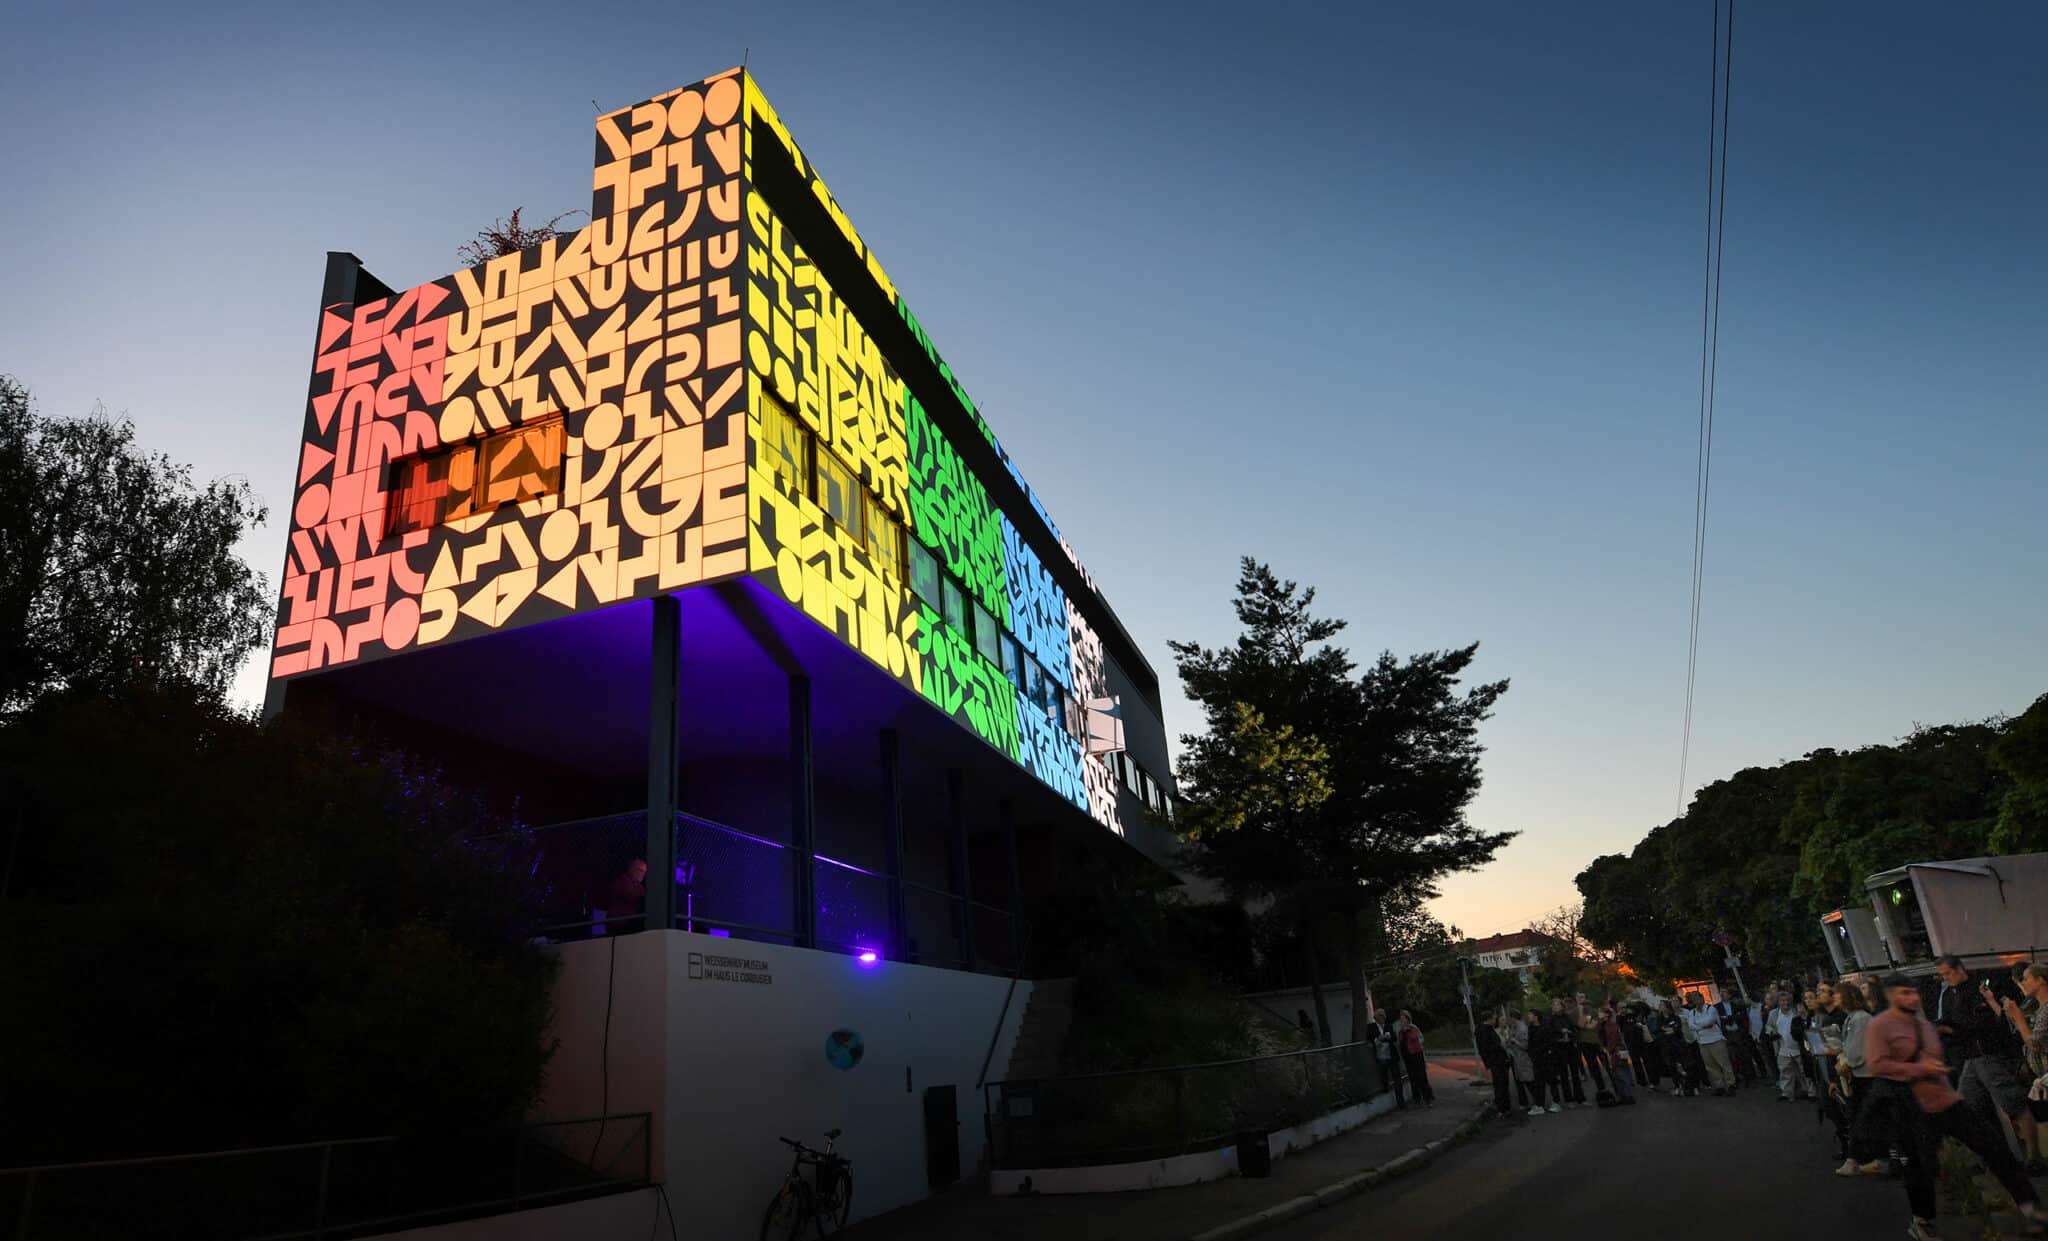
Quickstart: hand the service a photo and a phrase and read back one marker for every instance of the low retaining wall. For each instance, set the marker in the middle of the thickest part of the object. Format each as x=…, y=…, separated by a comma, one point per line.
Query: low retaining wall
x=1191, y=1169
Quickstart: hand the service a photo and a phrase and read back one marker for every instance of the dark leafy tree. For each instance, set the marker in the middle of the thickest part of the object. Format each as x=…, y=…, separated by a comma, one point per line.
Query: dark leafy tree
x=2022, y=755
x=226, y=935
x=115, y=567
x=1402, y=765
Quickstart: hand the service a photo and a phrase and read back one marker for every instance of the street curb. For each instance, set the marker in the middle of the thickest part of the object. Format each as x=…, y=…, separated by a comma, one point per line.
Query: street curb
x=1412, y=1160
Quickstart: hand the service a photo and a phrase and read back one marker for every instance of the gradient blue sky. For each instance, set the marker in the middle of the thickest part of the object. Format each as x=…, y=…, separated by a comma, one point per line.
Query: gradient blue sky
x=1404, y=300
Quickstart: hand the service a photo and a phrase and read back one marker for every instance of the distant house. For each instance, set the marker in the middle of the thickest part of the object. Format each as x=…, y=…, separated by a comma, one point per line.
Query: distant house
x=1520, y=951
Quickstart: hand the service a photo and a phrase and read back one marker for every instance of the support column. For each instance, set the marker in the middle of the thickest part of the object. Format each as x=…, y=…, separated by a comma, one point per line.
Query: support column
x=662, y=762
x=1006, y=816
x=892, y=832
x=803, y=813
x=956, y=861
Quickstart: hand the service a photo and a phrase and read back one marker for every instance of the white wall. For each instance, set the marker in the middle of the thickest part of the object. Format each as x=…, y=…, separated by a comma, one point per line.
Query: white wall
x=730, y=1066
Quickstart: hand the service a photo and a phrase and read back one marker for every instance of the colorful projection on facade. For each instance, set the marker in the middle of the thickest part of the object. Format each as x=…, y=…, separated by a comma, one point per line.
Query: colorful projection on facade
x=671, y=396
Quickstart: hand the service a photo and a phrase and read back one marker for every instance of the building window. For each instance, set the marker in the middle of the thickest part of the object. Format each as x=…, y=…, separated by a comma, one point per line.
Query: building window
x=924, y=574
x=988, y=636
x=1034, y=681
x=1133, y=777
x=1013, y=663
x=885, y=539
x=956, y=605
x=783, y=448
x=464, y=480
x=839, y=493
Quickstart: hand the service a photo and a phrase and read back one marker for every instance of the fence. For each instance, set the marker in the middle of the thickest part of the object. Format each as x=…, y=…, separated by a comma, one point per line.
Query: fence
x=1142, y=1114
x=328, y=1189
x=733, y=883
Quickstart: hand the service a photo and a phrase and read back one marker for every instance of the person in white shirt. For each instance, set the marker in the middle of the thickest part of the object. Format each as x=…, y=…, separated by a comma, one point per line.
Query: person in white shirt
x=1790, y=1028
x=1706, y=1028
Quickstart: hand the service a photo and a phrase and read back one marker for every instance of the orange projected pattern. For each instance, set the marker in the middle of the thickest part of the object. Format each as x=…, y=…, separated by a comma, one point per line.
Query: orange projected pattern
x=551, y=431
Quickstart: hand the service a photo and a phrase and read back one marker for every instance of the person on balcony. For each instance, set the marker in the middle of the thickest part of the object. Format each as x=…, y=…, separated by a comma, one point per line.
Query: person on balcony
x=625, y=908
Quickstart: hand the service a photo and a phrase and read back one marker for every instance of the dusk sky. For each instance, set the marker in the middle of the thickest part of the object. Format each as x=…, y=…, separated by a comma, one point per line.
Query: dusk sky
x=1402, y=299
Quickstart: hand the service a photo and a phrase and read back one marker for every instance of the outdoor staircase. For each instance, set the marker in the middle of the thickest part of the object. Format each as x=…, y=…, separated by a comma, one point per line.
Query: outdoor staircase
x=1042, y=1030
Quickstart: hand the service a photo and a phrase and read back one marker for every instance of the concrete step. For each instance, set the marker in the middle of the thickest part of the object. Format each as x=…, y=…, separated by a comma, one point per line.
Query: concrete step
x=1043, y=1030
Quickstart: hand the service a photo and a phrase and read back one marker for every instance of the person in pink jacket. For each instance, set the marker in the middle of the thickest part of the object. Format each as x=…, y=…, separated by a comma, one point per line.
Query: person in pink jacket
x=1901, y=1046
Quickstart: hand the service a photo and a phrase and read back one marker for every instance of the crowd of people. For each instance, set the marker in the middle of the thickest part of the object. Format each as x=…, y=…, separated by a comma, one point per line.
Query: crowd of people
x=1892, y=1070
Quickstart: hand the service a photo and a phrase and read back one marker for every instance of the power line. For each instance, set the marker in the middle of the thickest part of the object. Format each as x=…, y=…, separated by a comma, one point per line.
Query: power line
x=1719, y=80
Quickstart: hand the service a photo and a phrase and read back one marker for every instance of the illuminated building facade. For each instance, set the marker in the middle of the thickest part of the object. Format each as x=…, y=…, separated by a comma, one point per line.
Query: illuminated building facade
x=688, y=496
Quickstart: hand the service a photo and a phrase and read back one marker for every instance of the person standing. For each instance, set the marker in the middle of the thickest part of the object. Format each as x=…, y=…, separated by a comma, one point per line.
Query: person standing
x=2032, y=1035
x=1788, y=1035
x=1705, y=1021
x=1382, y=1036
x=1547, y=1069
x=1493, y=1053
x=1904, y=1049
x=1414, y=1062
x=1853, y=1083
x=1671, y=1045
x=1562, y=1034
x=1620, y=1060
x=1528, y=1086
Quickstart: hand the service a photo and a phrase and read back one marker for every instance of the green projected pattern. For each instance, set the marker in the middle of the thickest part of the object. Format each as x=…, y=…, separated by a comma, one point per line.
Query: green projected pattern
x=960, y=682
x=951, y=513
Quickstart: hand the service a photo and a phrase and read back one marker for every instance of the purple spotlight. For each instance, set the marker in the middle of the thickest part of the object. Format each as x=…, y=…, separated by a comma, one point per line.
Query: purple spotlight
x=867, y=958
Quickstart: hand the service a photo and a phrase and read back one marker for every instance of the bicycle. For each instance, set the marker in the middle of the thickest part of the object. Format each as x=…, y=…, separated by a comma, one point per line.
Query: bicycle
x=824, y=1200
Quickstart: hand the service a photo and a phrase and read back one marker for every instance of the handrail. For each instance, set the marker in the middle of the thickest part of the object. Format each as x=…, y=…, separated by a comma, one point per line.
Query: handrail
x=1023, y=955
x=1188, y=1068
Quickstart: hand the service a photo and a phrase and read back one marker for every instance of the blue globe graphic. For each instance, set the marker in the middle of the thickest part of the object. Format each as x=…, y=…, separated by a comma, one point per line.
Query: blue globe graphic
x=844, y=1048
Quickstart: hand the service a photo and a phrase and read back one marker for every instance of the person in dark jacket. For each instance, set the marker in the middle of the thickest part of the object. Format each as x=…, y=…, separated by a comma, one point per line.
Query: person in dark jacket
x=1494, y=1055
x=1562, y=1033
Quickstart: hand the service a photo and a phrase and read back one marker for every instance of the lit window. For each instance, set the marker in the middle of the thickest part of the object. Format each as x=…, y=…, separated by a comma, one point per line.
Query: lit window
x=885, y=539
x=956, y=606
x=524, y=463
x=449, y=484
x=782, y=447
x=1133, y=777
x=924, y=573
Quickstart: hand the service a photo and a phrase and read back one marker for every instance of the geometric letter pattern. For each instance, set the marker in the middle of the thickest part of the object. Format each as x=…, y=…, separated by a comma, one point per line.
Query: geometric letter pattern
x=579, y=424
x=626, y=332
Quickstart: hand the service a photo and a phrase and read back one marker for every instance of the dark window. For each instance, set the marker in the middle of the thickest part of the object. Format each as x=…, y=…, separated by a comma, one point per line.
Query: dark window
x=988, y=636
x=839, y=493
x=1034, y=681
x=924, y=574
x=1013, y=662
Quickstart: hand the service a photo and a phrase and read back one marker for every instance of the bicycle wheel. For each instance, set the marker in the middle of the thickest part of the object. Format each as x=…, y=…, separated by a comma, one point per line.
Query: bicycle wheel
x=835, y=1199
x=787, y=1212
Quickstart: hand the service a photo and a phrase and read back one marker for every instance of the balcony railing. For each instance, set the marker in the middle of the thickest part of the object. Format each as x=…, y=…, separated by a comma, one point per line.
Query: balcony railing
x=733, y=883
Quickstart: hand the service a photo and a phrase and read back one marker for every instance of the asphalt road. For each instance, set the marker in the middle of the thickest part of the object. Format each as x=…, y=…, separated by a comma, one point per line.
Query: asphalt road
x=1665, y=1170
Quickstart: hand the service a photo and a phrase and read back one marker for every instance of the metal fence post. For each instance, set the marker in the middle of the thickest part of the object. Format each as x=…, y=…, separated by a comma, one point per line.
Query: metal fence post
x=28, y=1201
x=320, y=1203
x=1180, y=1111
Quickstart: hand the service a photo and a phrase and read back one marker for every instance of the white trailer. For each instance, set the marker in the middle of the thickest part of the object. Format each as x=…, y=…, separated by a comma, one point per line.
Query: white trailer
x=1987, y=910
x=1853, y=940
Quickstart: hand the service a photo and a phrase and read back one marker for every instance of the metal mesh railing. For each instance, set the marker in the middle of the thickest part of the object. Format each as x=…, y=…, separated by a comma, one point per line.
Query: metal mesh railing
x=1155, y=1113
x=731, y=882
x=320, y=1189
x=853, y=906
